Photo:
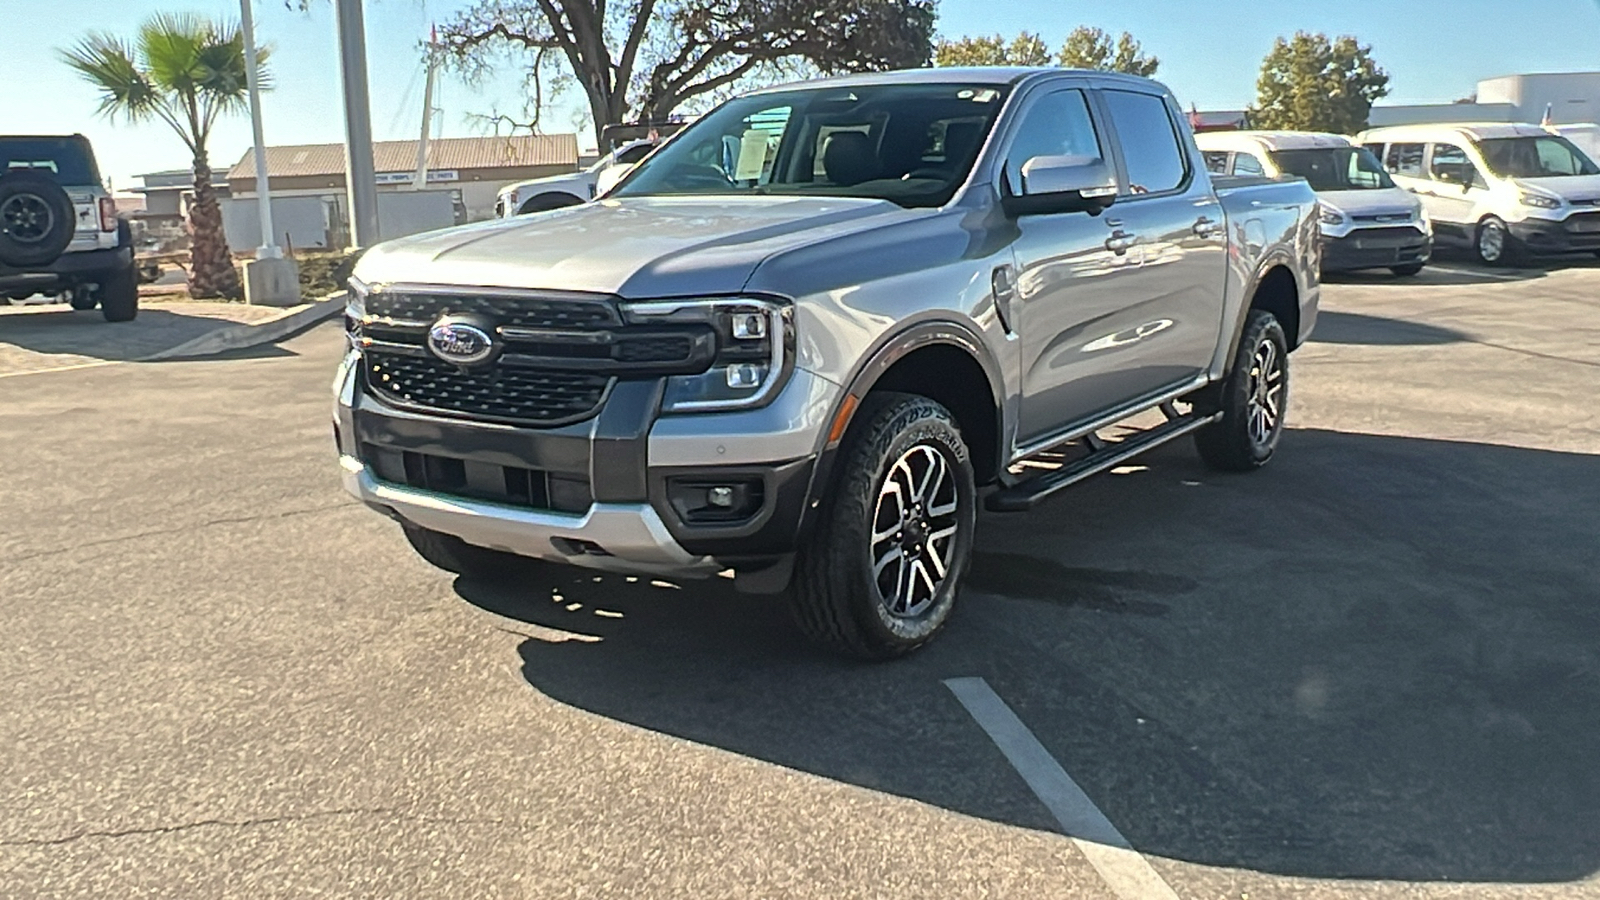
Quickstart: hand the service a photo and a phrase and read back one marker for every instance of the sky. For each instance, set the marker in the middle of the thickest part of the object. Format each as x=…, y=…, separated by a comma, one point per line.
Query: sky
x=1435, y=52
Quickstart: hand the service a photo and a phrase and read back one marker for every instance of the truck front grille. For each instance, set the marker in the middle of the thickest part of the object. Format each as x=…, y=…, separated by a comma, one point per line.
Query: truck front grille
x=556, y=359
x=501, y=393
x=509, y=485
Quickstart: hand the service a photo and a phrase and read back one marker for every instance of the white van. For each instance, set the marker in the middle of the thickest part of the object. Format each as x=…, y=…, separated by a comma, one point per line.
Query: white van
x=1503, y=190
x=1367, y=222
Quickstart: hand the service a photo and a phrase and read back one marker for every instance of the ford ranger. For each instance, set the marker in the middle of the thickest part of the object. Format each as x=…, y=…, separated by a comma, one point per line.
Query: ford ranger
x=799, y=340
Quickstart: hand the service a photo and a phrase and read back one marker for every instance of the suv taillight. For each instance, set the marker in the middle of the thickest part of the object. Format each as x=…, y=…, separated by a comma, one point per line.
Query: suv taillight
x=108, y=214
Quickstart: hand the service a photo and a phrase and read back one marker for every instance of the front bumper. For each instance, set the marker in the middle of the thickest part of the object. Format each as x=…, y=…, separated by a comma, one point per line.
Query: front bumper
x=1376, y=249
x=605, y=493
x=1577, y=233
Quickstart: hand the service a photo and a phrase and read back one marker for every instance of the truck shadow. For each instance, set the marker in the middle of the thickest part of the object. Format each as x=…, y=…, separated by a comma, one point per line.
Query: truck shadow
x=1356, y=328
x=1377, y=658
x=60, y=330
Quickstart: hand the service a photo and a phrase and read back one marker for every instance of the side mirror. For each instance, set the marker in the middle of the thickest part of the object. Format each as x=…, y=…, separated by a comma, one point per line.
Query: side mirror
x=609, y=178
x=1060, y=184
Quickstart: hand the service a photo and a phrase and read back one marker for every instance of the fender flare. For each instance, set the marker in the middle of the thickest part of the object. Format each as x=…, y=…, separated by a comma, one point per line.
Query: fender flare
x=1278, y=258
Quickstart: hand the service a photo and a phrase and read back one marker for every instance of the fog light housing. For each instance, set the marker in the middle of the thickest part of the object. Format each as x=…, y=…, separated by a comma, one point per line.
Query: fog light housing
x=728, y=500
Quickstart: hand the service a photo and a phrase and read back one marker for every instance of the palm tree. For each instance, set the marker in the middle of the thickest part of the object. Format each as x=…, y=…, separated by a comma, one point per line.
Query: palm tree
x=186, y=71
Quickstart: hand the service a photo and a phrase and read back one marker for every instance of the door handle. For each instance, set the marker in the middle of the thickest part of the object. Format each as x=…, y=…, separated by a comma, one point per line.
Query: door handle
x=1120, y=242
x=1205, y=227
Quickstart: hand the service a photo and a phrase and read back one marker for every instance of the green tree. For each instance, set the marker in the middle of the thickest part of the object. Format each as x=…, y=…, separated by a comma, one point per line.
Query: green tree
x=646, y=59
x=1311, y=83
x=1026, y=49
x=186, y=71
x=1092, y=48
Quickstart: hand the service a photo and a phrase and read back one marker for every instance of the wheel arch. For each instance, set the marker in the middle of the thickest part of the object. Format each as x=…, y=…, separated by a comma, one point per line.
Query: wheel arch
x=548, y=200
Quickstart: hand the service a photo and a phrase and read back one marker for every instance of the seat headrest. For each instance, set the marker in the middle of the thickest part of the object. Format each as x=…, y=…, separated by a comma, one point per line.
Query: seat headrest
x=849, y=158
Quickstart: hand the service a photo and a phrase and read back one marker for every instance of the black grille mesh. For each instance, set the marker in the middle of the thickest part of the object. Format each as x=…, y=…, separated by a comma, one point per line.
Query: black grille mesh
x=528, y=312
x=512, y=394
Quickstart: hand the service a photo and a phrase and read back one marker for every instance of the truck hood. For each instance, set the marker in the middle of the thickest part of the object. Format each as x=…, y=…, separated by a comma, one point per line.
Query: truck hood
x=1578, y=189
x=635, y=247
x=1385, y=202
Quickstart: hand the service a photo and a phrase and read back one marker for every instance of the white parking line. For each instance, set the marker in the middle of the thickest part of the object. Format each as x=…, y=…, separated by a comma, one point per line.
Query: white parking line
x=1476, y=273
x=87, y=365
x=1128, y=874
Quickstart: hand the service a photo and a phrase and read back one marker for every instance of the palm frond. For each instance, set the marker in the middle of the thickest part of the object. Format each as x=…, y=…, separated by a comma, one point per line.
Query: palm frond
x=171, y=44
x=107, y=63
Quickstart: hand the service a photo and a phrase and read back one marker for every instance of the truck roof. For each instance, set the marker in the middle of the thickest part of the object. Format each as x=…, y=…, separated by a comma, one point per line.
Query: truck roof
x=1474, y=131
x=998, y=75
x=1270, y=141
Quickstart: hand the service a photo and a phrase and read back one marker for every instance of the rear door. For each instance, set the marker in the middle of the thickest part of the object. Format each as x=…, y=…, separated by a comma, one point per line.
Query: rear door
x=1163, y=331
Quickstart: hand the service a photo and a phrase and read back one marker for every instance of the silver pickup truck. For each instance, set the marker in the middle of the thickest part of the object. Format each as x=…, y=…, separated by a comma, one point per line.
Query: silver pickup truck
x=801, y=338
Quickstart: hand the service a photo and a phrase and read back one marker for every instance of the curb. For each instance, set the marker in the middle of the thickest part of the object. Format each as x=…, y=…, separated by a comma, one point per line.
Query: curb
x=243, y=335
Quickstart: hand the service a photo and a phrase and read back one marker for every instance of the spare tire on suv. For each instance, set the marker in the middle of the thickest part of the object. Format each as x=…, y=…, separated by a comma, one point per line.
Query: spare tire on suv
x=37, y=220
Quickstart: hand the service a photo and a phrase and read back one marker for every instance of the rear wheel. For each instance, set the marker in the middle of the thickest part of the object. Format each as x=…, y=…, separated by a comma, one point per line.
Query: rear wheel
x=1408, y=270
x=119, y=294
x=1253, y=401
x=878, y=573
x=452, y=554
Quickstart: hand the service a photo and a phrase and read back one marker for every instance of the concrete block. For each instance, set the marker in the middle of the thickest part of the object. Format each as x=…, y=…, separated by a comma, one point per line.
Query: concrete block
x=272, y=282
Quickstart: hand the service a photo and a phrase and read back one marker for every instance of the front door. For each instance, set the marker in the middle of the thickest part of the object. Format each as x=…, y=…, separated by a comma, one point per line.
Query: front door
x=1454, y=189
x=1072, y=273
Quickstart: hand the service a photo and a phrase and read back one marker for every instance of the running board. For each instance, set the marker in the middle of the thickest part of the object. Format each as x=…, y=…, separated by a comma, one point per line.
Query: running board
x=1102, y=456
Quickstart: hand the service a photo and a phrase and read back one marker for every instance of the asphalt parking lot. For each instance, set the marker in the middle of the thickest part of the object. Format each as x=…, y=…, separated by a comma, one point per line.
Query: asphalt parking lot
x=1372, y=669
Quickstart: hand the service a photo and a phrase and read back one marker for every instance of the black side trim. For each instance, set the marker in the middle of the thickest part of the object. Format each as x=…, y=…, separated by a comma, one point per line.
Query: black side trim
x=621, y=451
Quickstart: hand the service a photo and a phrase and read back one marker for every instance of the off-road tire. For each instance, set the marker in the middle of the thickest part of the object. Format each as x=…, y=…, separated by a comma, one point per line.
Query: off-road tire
x=835, y=599
x=1407, y=270
x=37, y=219
x=119, y=294
x=1228, y=444
x=452, y=554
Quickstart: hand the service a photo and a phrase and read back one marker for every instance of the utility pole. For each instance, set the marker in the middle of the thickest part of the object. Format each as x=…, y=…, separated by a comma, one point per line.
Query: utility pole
x=269, y=244
x=269, y=279
x=421, y=180
x=361, y=177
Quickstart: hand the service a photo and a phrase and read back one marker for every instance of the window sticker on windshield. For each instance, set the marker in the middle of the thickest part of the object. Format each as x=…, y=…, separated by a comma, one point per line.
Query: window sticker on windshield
x=752, y=156
x=980, y=95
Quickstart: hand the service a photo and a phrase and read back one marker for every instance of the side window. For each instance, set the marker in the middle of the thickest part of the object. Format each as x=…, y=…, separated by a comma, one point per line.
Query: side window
x=1150, y=146
x=1216, y=161
x=1058, y=124
x=1376, y=149
x=1451, y=165
x=1247, y=164
x=1405, y=159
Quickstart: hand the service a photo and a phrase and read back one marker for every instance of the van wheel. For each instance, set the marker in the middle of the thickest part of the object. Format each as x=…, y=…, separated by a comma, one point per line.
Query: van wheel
x=1494, y=244
x=1253, y=399
x=878, y=573
x=452, y=554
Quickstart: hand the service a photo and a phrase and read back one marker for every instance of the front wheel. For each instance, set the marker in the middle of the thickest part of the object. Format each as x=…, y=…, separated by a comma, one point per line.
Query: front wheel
x=1494, y=244
x=878, y=573
x=1254, y=398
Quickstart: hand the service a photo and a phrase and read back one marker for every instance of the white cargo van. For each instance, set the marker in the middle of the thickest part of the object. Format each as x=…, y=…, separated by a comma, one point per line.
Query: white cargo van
x=1367, y=222
x=1505, y=191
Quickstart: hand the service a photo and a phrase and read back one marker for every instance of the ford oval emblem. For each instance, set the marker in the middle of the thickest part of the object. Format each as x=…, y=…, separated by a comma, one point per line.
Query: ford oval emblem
x=460, y=343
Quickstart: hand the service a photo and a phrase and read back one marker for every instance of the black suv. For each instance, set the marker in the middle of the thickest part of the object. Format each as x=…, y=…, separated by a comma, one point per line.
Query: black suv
x=59, y=230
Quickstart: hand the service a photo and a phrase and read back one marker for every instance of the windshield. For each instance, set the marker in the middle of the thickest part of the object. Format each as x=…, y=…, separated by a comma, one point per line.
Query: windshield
x=911, y=144
x=1535, y=157
x=1335, y=168
x=67, y=158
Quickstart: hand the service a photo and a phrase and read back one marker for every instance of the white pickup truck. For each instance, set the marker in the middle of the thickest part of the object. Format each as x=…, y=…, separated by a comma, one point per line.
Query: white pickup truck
x=799, y=339
x=556, y=191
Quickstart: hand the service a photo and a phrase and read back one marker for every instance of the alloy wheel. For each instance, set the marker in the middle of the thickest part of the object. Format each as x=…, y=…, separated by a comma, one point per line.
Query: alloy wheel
x=1491, y=242
x=27, y=218
x=1265, y=406
x=914, y=529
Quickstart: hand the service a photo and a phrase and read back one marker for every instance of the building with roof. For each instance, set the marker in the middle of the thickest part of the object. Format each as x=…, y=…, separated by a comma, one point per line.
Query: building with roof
x=473, y=168
x=1567, y=97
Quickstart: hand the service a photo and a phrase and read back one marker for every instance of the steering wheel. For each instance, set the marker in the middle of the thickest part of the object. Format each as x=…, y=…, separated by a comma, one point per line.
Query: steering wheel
x=691, y=175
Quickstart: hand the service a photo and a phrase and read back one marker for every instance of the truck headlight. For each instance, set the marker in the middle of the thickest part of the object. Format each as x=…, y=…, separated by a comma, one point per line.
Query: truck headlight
x=755, y=350
x=355, y=309
x=1540, y=201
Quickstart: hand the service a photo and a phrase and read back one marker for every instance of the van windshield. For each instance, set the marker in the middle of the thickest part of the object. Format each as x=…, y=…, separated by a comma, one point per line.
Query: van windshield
x=910, y=144
x=1335, y=168
x=1543, y=156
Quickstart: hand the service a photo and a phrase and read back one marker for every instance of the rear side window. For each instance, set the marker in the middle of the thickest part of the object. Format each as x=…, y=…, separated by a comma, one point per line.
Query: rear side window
x=67, y=158
x=1246, y=164
x=1405, y=159
x=1058, y=125
x=1149, y=141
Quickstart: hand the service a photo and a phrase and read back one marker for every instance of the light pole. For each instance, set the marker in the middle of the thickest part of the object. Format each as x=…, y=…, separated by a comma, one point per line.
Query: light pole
x=361, y=177
x=269, y=279
x=269, y=243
